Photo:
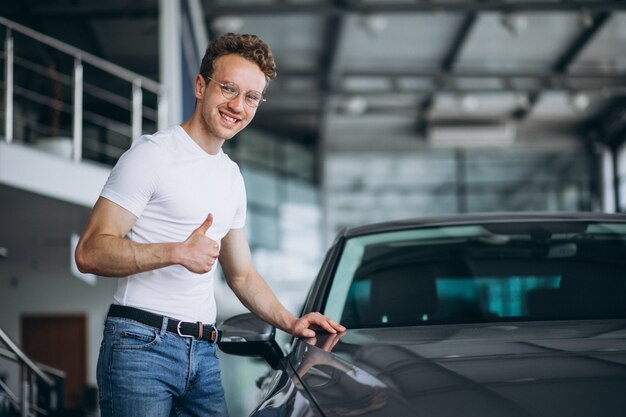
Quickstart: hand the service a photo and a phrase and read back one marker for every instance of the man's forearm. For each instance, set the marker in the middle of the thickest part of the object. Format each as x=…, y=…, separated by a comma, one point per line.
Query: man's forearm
x=115, y=257
x=257, y=296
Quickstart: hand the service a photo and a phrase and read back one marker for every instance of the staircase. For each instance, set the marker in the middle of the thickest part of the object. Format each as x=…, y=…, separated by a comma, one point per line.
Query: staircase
x=41, y=387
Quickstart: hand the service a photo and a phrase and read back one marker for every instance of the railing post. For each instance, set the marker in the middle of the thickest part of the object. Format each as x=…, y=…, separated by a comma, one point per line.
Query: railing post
x=137, y=114
x=25, y=403
x=77, y=131
x=34, y=391
x=8, y=90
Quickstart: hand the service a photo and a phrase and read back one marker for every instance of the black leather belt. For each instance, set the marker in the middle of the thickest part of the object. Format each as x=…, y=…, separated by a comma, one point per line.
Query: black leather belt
x=182, y=328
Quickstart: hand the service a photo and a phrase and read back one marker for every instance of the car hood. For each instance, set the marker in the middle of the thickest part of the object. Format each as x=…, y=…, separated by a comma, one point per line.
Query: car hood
x=568, y=368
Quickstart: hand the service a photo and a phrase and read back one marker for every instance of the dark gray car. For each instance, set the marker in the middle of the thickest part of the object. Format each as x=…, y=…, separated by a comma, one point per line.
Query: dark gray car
x=481, y=315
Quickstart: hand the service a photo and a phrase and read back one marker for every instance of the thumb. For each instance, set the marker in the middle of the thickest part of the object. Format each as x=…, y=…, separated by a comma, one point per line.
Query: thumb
x=205, y=225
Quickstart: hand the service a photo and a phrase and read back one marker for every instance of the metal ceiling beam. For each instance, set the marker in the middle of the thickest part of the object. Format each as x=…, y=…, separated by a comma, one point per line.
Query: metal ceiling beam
x=507, y=82
x=282, y=8
x=460, y=38
x=314, y=95
x=330, y=60
x=462, y=6
x=579, y=43
x=447, y=65
x=566, y=59
x=507, y=75
x=97, y=13
x=551, y=79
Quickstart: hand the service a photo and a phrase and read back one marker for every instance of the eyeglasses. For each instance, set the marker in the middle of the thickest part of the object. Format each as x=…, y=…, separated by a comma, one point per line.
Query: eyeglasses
x=231, y=91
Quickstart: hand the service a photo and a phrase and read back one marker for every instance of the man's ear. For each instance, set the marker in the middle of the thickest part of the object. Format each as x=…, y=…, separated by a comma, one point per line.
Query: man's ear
x=199, y=86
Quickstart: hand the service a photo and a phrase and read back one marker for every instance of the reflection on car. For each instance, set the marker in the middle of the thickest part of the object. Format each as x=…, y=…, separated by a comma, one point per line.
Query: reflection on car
x=483, y=315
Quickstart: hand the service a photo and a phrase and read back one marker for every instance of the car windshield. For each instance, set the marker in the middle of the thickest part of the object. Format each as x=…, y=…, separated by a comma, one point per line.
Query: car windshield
x=481, y=273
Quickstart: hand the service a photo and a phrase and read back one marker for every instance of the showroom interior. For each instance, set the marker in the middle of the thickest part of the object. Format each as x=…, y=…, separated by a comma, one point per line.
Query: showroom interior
x=381, y=110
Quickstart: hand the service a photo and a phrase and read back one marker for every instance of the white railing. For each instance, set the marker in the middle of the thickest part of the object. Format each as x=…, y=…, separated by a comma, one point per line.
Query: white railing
x=98, y=106
x=27, y=402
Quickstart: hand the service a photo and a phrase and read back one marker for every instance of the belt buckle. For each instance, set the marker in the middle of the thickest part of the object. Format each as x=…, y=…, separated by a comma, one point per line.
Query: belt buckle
x=214, y=331
x=178, y=330
x=218, y=335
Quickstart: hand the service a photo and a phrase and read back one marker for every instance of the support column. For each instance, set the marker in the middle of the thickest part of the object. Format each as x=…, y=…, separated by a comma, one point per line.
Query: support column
x=170, y=57
x=8, y=91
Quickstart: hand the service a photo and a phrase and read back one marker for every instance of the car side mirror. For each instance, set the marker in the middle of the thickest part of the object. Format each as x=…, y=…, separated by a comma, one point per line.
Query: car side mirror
x=248, y=335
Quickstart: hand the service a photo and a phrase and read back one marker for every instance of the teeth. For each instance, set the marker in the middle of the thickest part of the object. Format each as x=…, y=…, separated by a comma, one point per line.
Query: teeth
x=230, y=119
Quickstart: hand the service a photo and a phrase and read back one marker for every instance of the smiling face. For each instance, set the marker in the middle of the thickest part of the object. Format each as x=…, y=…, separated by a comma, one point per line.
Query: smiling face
x=220, y=118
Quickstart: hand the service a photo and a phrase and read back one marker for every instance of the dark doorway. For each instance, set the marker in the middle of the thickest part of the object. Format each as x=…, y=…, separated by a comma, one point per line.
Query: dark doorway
x=59, y=341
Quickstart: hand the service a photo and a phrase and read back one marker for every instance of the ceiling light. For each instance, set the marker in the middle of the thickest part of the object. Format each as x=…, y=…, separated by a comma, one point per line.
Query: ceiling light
x=579, y=101
x=355, y=106
x=514, y=22
x=469, y=103
x=226, y=24
x=374, y=24
x=4, y=252
x=472, y=136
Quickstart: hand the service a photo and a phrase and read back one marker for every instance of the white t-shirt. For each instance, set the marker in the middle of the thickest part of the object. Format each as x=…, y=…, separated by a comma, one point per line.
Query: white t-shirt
x=171, y=184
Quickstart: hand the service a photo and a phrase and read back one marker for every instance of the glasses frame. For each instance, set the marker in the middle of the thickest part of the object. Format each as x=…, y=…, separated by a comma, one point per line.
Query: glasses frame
x=236, y=87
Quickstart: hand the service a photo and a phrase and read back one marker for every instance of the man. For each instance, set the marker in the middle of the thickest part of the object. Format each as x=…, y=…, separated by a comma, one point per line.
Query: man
x=172, y=206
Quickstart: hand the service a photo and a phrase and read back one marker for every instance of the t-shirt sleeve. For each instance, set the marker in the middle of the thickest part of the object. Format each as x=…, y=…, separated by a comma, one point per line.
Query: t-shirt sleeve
x=134, y=178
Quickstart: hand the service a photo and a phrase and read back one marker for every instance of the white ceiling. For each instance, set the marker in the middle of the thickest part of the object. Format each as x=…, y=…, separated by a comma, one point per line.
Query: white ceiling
x=412, y=64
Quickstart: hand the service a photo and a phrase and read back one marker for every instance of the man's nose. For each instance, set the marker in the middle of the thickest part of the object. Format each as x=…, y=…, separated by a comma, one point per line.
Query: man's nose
x=237, y=103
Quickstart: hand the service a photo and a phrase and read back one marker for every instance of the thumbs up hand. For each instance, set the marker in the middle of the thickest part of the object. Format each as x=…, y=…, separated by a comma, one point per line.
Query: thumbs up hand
x=199, y=252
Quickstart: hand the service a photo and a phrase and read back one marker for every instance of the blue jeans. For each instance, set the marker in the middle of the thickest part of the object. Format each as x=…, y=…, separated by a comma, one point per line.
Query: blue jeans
x=148, y=372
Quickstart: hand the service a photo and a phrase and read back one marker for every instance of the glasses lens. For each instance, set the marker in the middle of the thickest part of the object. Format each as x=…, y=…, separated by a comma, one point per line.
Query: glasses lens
x=253, y=99
x=229, y=90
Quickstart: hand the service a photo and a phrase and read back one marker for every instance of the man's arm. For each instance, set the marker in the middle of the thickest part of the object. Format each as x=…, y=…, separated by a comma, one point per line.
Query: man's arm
x=257, y=296
x=104, y=251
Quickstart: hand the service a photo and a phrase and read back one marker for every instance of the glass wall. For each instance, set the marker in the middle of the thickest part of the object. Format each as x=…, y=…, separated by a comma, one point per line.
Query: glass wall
x=285, y=234
x=386, y=186
x=284, y=211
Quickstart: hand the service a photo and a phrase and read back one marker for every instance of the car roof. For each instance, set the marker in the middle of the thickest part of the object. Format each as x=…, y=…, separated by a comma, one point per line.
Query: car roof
x=474, y=218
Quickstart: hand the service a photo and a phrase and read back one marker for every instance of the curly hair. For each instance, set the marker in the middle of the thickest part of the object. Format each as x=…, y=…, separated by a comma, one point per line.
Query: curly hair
x=250, y=47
